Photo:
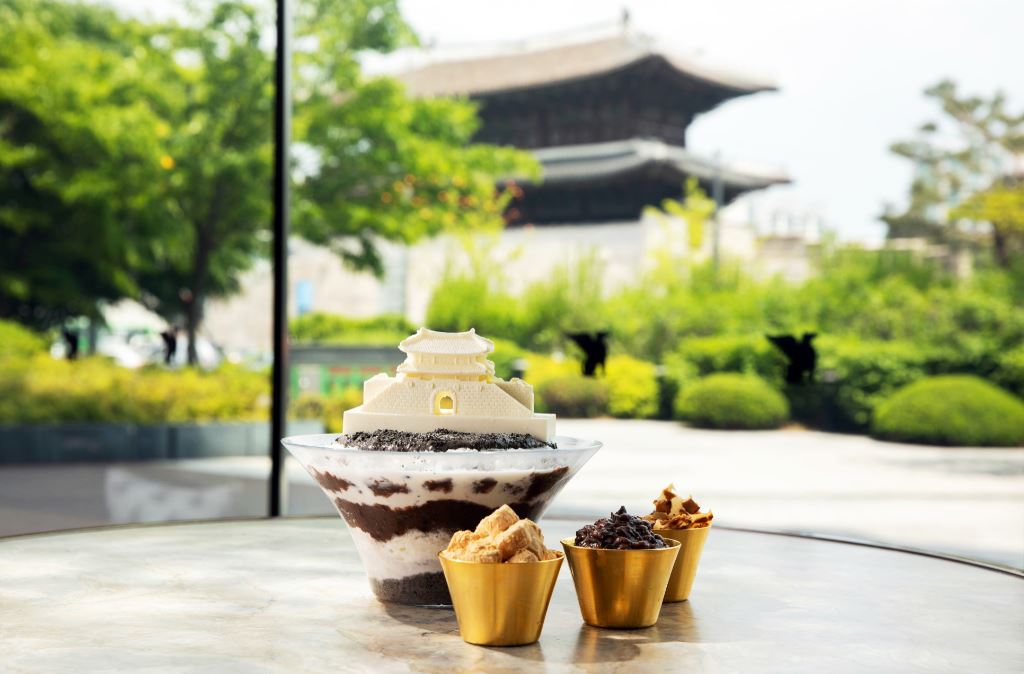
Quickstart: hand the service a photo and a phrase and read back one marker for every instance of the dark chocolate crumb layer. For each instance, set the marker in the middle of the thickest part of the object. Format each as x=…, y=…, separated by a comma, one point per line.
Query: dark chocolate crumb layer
x=423, y=588
x=484, y=486
x=383, y=522
x=444, y=485
x=330, y=482
x=442, y=440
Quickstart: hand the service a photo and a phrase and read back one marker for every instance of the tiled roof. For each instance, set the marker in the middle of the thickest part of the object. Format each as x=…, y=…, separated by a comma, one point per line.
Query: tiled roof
x=532, y=67
x=449, y=343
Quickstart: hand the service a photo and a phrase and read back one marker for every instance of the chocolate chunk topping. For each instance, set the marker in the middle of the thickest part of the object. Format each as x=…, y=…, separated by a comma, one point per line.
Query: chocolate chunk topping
x=442, y=440
x=619, y=531
x=484, y=486
x=444, y=485
x=387, y=488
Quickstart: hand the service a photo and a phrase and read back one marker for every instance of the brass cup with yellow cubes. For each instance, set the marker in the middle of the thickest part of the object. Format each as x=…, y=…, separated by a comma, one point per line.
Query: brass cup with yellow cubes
x=620, y=588
x=500, y=604
x=691, y=544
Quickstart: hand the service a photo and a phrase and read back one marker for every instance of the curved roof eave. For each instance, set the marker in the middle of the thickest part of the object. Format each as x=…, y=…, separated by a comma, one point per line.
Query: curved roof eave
x=581, y=163
x=524, y=70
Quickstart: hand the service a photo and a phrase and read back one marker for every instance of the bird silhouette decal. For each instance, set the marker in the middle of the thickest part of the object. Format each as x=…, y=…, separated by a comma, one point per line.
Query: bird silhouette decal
x=801, y=355
x=595, y=346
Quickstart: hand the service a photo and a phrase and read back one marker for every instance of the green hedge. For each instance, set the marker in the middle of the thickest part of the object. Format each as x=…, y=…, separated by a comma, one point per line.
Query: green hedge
x=853, y=375
x=43, y=390
x=951, y=410
x=385, y=330
x=749, y=354
x=632, y=387
x=732, y=401
x=329, y=409
x=574, y=396
x=17, y=341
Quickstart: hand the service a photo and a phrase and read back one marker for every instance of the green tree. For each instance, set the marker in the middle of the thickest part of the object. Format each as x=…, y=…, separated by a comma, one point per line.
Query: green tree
x=373, y=163
x=1002, y=207
x=972, y=150
x=79, y=160
x=216, y=98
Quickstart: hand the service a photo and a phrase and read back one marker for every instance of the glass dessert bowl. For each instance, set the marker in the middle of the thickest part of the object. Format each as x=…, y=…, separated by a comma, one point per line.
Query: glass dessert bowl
x=402, y=507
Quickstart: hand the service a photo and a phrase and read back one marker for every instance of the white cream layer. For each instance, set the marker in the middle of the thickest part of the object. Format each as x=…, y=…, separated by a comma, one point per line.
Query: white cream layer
x=412, y=553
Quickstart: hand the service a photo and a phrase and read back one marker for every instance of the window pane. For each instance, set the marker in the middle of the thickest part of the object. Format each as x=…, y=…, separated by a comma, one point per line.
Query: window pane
x=135, y=172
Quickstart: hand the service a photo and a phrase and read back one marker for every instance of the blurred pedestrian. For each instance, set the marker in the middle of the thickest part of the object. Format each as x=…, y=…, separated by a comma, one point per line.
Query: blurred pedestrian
x=170, y=337
x=71, y=339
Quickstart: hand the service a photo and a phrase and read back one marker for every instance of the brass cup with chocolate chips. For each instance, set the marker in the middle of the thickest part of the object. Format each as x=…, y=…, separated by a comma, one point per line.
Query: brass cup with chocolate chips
x=621, y=570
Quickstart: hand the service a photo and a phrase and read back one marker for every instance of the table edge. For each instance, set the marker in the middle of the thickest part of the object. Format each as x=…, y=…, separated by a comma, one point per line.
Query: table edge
x=826, y=538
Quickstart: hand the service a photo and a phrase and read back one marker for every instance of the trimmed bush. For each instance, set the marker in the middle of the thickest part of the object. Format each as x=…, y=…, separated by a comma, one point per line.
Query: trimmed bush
x=573, y=396
x=951, y=410
x=1010, y=372
x=732, y=401
x=632, y=388
x=541, y=369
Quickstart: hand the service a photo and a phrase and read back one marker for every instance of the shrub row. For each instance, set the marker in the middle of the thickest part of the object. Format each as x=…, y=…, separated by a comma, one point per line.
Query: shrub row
x=43, y=390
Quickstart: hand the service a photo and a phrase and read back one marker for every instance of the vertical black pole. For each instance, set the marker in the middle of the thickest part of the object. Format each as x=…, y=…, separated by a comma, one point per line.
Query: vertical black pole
x=282, y=138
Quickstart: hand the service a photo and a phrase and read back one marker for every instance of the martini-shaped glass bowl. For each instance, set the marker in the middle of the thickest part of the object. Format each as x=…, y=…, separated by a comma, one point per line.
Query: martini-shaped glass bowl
x=403, y=507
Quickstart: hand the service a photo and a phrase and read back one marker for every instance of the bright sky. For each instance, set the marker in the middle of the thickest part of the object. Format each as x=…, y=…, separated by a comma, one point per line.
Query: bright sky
x=851, y=73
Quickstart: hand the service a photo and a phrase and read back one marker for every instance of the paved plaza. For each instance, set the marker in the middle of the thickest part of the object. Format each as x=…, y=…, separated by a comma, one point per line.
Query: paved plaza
x=962, y=501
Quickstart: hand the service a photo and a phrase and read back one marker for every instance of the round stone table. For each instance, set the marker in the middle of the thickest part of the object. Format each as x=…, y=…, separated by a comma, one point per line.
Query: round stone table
x=289, y=595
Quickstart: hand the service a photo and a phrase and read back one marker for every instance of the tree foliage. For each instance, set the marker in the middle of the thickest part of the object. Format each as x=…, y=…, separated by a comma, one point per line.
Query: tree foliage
x=79, y=160
x=965, y=189
x=136, y=156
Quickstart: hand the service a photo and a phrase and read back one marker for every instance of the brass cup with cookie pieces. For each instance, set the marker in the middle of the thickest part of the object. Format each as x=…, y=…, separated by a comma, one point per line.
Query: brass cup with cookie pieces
x=500, y=577
x=681, y=520
x=620, y=588
x=691, y=545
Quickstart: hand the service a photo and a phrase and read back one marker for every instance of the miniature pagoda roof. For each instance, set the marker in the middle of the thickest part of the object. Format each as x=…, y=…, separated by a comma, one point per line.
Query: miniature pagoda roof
x=533, y=67
x=605, y=161
x=447, y=343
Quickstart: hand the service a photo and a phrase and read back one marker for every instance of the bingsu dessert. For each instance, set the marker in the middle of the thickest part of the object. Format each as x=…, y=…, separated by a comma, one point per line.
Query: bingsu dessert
x=433, y=451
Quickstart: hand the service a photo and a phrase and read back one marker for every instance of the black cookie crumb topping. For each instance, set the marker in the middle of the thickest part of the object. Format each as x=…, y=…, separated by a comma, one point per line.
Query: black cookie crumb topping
x=441, y=440
x=619, y=531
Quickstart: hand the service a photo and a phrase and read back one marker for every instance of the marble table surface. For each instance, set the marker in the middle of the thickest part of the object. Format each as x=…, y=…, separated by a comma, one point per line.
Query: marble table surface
x=289, y=595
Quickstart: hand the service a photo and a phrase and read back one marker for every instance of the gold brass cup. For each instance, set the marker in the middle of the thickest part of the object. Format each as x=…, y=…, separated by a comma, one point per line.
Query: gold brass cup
x=620, y=588
x=500, y=604
x=691, y=544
